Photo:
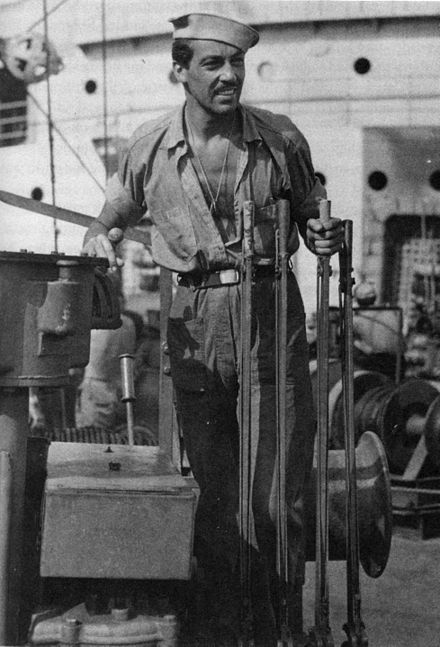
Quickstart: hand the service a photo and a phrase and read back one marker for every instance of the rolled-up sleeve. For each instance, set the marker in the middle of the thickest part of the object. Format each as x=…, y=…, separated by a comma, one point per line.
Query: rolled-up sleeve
x=124, y=198
x=306, y=189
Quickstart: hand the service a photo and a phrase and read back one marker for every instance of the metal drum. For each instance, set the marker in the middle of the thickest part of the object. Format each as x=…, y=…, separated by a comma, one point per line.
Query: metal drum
x=398, y=416
x=432, y=431
x=363, y=381
x=374, y=506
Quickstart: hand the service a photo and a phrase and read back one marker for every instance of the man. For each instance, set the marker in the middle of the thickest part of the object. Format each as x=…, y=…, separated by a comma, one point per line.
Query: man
x=193, y=170
x=99, y=394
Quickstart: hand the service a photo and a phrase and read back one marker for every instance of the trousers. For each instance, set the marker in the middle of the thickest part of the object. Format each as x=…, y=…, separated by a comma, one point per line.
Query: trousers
x=204, y=346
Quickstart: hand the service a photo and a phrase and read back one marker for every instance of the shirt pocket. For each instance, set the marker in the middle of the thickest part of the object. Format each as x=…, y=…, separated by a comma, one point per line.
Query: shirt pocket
x=175, y=227
x=265, y=224
x=186, y=343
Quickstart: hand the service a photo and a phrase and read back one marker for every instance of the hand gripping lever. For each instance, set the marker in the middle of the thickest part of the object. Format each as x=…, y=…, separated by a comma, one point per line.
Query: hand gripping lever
x=354, y=627
x=321, y=635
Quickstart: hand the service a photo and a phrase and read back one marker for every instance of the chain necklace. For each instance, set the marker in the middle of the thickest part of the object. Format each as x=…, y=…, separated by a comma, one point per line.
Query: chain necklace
x=213, y=200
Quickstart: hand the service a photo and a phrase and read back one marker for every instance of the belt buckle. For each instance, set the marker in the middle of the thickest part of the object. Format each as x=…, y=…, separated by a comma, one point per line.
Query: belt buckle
x=228, y=277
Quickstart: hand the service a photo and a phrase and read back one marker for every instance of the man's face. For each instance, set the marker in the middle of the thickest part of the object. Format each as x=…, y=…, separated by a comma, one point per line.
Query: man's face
x=214, y=78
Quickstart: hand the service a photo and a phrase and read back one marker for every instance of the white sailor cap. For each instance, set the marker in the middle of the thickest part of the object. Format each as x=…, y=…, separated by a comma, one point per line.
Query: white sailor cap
x=204, y=26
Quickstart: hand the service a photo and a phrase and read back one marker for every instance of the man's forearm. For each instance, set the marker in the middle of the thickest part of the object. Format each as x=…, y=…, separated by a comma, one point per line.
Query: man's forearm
x=110, y=218
x=96, y=228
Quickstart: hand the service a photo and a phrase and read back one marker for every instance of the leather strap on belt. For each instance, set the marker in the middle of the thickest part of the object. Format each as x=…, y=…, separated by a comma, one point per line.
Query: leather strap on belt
x=201, y=280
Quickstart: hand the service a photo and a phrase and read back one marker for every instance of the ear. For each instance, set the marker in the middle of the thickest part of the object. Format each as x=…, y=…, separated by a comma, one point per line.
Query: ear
x=180, y=72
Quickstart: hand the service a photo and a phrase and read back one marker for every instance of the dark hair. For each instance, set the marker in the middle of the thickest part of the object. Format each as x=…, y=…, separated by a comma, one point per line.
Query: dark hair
x=182, y=52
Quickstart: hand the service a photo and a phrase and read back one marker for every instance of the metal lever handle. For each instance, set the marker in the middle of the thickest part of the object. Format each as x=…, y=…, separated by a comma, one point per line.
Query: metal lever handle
x=324, y=207
x=128, y=392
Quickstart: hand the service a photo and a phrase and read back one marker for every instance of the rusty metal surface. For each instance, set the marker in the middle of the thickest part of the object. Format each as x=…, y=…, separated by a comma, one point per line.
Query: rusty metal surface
x=127, y=514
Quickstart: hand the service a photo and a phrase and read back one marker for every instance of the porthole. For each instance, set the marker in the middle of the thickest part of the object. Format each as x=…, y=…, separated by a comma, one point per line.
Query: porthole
x=362, y=65
x=265, y=70
x=321, y=177
x=90, y=86
x=377, y=180
x=37, y=193
x=434, y=180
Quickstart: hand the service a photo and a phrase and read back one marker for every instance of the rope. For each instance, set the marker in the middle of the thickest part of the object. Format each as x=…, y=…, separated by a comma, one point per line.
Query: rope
x=46, y=13
x=104, y=84
x=69, y=146
x=49, y=124
x=52, y=127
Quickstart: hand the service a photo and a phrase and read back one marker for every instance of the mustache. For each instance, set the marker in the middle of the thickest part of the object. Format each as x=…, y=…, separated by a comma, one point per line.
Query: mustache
x=227, y=86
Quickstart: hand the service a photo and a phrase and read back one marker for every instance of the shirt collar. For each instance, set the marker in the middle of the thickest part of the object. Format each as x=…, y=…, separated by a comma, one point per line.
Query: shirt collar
x=176, y=133
x=250, y=131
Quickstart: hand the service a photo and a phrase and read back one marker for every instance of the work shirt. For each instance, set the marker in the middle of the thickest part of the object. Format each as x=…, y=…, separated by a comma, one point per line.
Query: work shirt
x=156, y=175
x=205, y=344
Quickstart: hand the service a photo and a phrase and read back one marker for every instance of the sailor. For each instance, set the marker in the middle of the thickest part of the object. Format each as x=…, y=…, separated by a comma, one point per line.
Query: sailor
x=192, y=170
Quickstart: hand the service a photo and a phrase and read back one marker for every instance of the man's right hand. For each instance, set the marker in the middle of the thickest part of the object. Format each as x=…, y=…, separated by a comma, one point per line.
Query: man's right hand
x=99, y=241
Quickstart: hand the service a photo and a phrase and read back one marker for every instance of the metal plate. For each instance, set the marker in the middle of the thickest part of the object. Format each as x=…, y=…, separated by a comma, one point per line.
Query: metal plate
x=123, y=514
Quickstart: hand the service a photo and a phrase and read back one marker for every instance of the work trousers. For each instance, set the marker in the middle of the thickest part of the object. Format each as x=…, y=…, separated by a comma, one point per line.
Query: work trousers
x=204, y=345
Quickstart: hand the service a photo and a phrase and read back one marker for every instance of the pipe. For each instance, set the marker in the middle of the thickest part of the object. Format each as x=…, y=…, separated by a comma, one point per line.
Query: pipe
x=5, y=523
x=128, y=392
x=14, y=411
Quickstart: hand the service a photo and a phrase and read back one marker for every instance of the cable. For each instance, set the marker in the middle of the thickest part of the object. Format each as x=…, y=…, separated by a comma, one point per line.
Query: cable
x=49, y=124
x=45, y=14
x=104, y=85
x=70, y=147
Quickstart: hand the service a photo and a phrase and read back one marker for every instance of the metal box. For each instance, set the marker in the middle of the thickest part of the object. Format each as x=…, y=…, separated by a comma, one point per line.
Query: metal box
x=116, y=512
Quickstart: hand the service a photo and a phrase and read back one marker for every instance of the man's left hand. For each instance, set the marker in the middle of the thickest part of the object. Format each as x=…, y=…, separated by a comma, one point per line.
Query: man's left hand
x=325, y=239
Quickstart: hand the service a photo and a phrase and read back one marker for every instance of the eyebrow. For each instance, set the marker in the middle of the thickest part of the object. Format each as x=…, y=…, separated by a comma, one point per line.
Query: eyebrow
x=216, y=57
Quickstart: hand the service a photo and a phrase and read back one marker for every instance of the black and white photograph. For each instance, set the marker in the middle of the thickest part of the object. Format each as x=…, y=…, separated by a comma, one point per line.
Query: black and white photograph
x=220, y=323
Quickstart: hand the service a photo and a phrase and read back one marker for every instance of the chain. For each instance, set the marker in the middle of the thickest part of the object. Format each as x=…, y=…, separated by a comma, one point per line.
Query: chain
x=213, y=206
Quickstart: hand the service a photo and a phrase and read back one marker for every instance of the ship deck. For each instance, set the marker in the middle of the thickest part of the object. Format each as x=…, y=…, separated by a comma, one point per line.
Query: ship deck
x=400, y=608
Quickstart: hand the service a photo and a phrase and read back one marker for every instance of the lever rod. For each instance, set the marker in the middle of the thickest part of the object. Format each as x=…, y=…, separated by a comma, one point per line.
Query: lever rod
x=245, y=476
x=320, y=634
x=282, y=564
x=128, y=392
x=354, y=627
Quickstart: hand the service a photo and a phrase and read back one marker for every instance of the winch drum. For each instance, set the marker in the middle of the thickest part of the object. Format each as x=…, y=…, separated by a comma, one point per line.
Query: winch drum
x=374, y=506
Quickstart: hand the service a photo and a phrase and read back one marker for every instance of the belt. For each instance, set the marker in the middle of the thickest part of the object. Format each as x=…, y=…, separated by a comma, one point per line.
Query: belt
x=200, y=280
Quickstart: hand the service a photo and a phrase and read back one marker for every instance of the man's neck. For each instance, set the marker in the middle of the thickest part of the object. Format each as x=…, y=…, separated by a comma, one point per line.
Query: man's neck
x=205, y=125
